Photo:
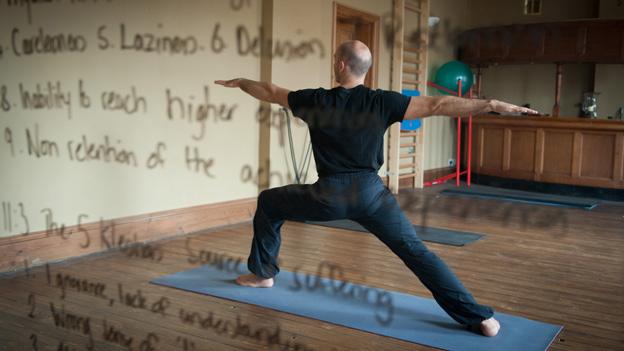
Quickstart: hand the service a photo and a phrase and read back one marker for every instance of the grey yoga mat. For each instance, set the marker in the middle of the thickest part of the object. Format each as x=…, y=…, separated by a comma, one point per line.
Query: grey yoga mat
x=524, y=197
x=432, y=234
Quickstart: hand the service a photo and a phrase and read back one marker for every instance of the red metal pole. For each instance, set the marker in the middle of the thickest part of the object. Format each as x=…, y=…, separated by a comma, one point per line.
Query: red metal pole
x=479, y=80
x=457, y=158
x=439, y=87
x=469, y=144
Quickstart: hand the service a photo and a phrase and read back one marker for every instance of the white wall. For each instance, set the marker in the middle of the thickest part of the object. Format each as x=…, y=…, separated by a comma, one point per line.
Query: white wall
x=535, y=84
x=107, y=189
x=440, y=137
x=611, y=9
x=609, y=85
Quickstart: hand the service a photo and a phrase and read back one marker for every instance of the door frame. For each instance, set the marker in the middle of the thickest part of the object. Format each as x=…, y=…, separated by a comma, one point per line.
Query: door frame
x=342, y=10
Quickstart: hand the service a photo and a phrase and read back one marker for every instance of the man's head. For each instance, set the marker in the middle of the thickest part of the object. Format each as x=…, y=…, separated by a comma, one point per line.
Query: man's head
x=351, y=61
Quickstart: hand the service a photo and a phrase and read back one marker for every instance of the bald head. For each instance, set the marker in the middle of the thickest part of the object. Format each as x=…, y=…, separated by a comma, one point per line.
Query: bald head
x=356, y=56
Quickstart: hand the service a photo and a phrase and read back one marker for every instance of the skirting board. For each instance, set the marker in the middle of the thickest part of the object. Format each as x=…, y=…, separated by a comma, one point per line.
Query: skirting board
x=21, y=251
x=429, y=175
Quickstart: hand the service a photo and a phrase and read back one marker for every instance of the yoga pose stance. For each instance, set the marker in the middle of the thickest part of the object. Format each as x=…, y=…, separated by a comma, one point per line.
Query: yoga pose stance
x=347, y=126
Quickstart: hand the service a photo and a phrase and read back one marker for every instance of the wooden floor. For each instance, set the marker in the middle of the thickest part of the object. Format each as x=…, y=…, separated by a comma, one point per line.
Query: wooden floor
x=560, y=266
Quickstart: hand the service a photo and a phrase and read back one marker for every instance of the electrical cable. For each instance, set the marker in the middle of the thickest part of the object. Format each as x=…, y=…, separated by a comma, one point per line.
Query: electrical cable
x=307, y=154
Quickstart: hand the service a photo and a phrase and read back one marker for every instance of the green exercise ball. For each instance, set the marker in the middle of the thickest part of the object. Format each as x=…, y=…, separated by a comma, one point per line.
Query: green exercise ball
x=452, y=71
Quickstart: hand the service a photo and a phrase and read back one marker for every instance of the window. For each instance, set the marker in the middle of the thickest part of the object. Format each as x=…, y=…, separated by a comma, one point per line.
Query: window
x=532, y=7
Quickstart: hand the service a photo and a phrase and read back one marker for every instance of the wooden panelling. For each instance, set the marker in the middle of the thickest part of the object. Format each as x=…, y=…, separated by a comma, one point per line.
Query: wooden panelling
x=602, y=42
x=506, y=149
x=577, y=149
x=493, y=139
x=618, y=160
x=470, y=44
x=597, y=155
x=88, y=238
x=435, y=173
x=493, y=44
x=568, y=123
x=522, y=150
x=429, y=175
x=539, y=154
x=527, y=42
x=560, y=41
x=557, y=155
x=589, y=41
x=570, y=151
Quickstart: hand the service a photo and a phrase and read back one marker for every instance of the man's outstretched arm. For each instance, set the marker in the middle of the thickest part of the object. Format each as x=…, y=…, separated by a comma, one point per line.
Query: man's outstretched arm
x=426, y=106
x=260, y=90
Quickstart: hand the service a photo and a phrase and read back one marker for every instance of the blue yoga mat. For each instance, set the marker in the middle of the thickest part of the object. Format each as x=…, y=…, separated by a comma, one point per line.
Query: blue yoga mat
x=414, y=319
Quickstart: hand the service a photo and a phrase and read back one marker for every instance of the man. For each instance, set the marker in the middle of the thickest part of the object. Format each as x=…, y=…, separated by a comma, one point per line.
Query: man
x=347, y=126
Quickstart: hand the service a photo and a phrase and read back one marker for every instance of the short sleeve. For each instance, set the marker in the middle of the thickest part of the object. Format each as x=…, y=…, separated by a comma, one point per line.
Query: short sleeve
x=305, y=101
x=394, y=106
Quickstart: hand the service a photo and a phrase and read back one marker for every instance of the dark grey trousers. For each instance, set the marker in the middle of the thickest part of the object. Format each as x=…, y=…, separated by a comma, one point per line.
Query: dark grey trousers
x=361, y=197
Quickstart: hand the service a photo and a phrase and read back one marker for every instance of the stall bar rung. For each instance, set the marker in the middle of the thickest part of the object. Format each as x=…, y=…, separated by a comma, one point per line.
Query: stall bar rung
x=410, y=60
x=408, y=175
x=411, y=81
x=411, y=71
x=412, y=8
x=408, y=155
x=407, y=165
x=408, y=134
x=408, y=144
x=414, y=50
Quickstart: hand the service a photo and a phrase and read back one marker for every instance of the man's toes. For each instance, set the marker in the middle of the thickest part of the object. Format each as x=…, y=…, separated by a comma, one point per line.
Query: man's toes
x=490, y=327
x=241, y=280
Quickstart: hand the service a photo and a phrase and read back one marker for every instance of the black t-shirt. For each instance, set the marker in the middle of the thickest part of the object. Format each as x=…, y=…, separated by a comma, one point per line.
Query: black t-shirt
x=347, y=126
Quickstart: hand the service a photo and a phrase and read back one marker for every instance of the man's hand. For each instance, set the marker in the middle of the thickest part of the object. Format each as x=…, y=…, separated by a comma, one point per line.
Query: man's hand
x=425, y=106
x=506, y=108
x=232, y=83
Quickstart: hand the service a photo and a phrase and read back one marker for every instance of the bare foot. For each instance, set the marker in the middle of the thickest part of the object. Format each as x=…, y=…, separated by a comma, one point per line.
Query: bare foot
x=254, y=281
x=489, y=327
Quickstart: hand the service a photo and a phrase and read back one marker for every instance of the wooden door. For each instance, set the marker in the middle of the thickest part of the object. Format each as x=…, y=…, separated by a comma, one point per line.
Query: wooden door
x=352, y=24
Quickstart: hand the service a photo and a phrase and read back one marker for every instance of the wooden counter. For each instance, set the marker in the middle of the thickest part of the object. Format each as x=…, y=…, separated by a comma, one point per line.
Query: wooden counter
x=573, y=151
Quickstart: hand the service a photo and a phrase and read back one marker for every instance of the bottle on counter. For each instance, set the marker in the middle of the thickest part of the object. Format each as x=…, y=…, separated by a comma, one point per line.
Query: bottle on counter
x=619, y=115
x=590, y=104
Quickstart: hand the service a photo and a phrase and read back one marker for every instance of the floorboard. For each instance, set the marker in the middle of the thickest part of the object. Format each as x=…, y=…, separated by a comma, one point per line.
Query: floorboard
x=561, y=266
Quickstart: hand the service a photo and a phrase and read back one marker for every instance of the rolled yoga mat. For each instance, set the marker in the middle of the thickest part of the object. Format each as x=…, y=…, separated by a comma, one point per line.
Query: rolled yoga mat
x=393, y=314
x=525, y=197
x=435, y=235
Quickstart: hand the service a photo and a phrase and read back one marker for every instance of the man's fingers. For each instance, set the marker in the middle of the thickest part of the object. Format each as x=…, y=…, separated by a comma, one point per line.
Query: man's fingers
x=528, y=111
x=232, y=83
x=226, y=83
x=504, y=107
x=525, y=110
